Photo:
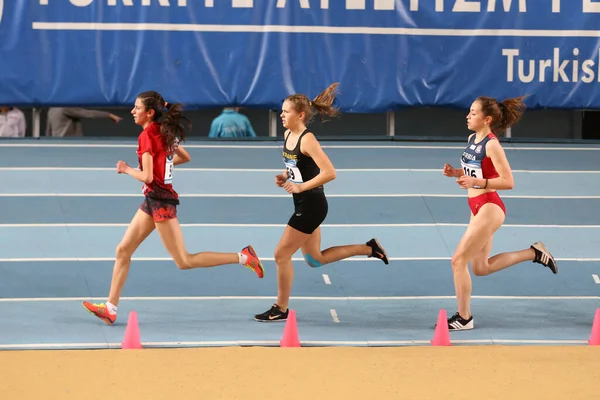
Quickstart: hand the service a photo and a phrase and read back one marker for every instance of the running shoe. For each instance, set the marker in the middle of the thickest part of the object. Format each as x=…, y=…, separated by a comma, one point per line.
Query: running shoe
x=458, y=323
x=543, y=256
x=100, y=311
x=253, y=262
x=273, y=314
x=377, y=251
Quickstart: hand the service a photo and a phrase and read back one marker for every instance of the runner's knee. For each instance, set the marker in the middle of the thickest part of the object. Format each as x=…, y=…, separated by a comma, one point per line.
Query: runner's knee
x=281, y=255
x=183, y=261
x=480, y=268
x=123, y=252
x=459, y=261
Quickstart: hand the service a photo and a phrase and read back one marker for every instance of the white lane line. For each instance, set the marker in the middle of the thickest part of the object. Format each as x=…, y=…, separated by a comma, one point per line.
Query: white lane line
x=233, y=225
x=270, y=170
x=250, y=146
x=297, y=298
x=237, y=343
x=270, y=195
x=355, y=259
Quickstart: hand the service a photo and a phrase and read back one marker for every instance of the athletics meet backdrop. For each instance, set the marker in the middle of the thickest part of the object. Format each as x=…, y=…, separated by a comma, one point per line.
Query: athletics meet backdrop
x=387, y=54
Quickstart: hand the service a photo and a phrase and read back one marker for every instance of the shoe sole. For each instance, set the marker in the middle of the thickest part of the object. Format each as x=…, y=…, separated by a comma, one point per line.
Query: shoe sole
x=540, y=246
x=460, y=330
x=271, y=320
x=103, y=319
x=468, y=327
x=260, y=266
x=385, y=259
x=451, y=329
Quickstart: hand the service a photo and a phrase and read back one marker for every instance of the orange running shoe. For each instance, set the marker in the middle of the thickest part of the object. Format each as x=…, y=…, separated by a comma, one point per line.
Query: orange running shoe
x=100, y=311
x=253, y=262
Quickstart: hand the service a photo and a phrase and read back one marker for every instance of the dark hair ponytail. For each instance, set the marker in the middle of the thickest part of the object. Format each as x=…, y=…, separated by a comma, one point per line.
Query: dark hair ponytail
x=512, y=111
x=504, y=114
x=171, y=127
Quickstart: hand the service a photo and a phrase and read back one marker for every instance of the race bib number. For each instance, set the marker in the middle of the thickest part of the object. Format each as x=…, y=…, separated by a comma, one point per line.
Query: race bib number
x=472, y=170
x=293, y=172
x=169, y=169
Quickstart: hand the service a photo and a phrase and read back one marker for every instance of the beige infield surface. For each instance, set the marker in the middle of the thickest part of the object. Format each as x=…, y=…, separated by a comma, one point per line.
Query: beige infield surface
x=466, y=372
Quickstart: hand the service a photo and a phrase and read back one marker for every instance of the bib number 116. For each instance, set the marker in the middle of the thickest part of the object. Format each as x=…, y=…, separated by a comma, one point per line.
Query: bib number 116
x=470, y=172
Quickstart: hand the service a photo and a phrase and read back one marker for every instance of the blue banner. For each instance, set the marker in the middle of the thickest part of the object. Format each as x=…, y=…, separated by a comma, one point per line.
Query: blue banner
x=386, y=54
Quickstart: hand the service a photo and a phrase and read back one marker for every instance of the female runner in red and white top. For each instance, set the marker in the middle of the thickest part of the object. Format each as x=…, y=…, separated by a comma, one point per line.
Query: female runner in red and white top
x=485, y=170
x=158, y=152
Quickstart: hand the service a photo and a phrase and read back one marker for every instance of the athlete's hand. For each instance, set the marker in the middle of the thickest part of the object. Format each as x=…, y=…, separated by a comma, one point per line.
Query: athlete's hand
x=122, y=167
x=466, y=182
x=449, y=170
x=291, y=187
x=280, y=179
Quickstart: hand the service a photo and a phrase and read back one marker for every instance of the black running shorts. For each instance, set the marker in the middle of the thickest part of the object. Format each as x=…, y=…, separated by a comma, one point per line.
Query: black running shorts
x=310, y=211
x=160, y=210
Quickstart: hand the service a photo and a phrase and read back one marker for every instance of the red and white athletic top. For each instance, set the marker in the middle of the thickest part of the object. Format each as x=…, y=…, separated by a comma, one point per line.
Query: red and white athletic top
x=151, y=141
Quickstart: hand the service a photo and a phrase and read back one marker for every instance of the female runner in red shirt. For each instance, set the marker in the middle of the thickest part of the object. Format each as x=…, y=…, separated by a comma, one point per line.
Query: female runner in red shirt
x=158, y=152
x=485, y=169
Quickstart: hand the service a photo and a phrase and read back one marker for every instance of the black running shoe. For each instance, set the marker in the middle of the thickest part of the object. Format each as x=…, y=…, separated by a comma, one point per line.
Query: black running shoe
x=543, y=256
x=377, y=251
x=272, y=315
x=458, y=323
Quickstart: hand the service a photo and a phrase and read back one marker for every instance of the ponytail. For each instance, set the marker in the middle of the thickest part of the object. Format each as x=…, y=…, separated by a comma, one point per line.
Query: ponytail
x=504, y=114
x=322, y=104
x=512, y=111
x=171, y=128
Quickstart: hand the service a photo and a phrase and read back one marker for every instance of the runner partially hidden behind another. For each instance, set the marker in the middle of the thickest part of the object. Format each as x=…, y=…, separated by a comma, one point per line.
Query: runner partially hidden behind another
x=158, y=152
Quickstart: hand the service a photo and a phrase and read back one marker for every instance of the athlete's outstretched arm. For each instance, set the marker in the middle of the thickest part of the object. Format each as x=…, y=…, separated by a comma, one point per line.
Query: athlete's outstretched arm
x=145, y=175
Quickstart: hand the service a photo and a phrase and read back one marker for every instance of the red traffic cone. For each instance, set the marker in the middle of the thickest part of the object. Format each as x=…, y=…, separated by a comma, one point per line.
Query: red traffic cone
x=131, y=340
x=441, y=336
x=290, y=332
x=595, y=335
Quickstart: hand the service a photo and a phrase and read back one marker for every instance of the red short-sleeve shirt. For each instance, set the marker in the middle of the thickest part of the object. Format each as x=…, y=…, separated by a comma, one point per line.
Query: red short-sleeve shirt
x=151, y=141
